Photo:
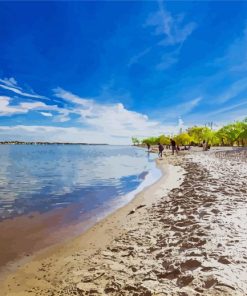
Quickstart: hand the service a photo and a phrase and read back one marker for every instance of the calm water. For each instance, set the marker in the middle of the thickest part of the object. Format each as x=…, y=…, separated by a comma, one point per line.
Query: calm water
x=43, y=178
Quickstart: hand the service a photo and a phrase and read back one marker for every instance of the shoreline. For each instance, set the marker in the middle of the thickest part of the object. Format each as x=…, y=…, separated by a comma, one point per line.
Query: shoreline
x=44, y=231
x=89, y=238
x=186, y=236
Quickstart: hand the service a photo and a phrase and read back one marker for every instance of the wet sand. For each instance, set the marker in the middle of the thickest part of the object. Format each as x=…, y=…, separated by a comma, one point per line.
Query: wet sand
x=22, y=236
x=185, y=235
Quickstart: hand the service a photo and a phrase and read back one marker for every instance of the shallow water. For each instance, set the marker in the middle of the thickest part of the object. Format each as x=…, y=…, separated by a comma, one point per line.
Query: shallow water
x=51, y=193
x=40, y=178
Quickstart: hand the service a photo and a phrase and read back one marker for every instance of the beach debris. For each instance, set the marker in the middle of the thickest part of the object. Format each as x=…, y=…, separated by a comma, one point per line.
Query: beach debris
x=171, y=274
x=190, y=264
x=133, y=268
x=169, y=249
x=137, y=208
x=175, y=209
x=140, y=206
x=90, y=288
x=210, y=282
x=185, y=280
x=112, y=287
x=131, y=212
x=224, y=260
x=225, y=285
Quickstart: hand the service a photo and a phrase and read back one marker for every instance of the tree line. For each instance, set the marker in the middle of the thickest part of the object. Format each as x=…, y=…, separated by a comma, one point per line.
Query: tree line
x=228, y=135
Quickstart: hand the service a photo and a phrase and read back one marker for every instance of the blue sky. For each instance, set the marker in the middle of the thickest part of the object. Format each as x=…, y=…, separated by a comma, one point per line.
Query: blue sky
x=106, y=71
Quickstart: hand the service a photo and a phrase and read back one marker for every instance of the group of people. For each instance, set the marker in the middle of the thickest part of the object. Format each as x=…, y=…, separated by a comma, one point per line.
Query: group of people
x=173, y=145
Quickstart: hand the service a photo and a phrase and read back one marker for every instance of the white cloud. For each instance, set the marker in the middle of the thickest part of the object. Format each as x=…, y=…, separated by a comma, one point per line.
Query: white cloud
x=167, y=60
x=240, y=108
x=113, y=120
x=46, y=114
x=63, y=116
x=24, y=107
x=72, y=134
x=11, y=85
x=173, y=28
x=233, y=90
x=107, y=123
x=6, y=109
x=10, y=82
x=234, y=60
x=138, y=56
x=32, y=105
x=176, y=111
x=190, y=105
x=68, y=96
x=220, y=116
x=228, y=72
x=172, y=31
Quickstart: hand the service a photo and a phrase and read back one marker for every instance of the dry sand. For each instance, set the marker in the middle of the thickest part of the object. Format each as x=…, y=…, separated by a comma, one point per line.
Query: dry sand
x=185, y=235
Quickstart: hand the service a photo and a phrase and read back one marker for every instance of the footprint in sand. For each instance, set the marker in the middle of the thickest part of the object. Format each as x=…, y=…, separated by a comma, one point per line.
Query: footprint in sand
x=170, y=275
x=224, y=260
x=184, y=280
x=140, y=206
x=190, y=264
x=184, y=223
x=210, y=282
x=192, y=244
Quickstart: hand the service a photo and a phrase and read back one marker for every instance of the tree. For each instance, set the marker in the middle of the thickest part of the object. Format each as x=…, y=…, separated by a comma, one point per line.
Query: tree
x=241, y=126
x=151, y=140
x=183, y=139
x=164, y=140
x=199, y=133
x=227, y=135
x=135, y=141
x=231, y=133
x=210, y=137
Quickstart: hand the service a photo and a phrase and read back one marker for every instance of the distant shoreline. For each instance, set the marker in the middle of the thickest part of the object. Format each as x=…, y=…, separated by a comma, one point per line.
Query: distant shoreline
x=44, y=143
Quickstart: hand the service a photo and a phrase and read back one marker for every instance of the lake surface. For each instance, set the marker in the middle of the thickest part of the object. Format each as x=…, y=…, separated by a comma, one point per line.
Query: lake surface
x=52, y=192
x=40, y=178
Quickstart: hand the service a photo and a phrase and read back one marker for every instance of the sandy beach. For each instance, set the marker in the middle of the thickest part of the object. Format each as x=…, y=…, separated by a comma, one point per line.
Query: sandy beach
x=184, y=235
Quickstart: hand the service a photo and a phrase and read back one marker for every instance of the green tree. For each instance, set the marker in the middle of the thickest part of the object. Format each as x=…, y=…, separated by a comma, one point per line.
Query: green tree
x=164, y=140
x=135, y=141
x=183, y=139
x=241, y=126
x=227, y=135
x=199, y=133
x=232, y=133
x=211, y=137
x=151, y=140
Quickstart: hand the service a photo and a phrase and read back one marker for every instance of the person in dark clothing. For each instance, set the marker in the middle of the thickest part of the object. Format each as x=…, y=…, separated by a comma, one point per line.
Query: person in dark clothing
x=174, y=146
x=148, y=145
x=204, y=146
x=161, y=148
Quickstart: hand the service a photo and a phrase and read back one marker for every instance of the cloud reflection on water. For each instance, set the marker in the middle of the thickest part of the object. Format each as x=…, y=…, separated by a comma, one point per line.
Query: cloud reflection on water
x=41, y=178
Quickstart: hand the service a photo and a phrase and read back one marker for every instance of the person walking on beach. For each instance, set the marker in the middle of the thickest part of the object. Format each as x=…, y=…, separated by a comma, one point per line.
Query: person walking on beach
x=161, y=148
x=204, y=145
x=174, y=146
x=148, y=145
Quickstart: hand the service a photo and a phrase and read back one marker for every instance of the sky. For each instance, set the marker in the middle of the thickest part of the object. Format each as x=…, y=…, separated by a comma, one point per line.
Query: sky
x=102, y=72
